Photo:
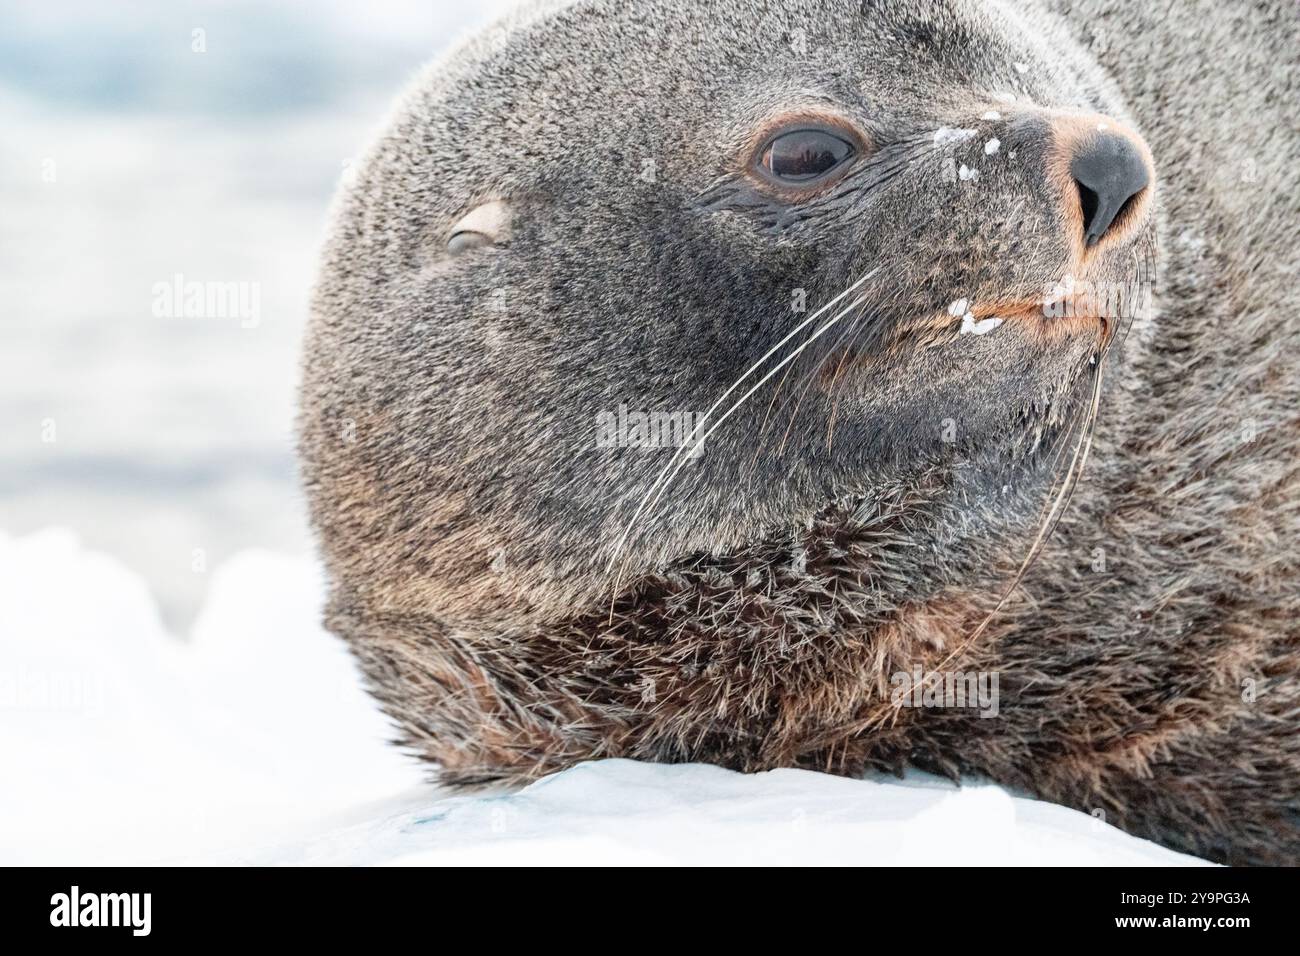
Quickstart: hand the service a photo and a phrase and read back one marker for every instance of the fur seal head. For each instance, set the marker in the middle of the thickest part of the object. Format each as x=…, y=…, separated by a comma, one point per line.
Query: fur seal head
x=723, y=316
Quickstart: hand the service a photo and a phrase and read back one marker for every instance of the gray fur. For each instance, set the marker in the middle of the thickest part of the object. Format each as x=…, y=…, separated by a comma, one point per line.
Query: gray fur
x=831, y=534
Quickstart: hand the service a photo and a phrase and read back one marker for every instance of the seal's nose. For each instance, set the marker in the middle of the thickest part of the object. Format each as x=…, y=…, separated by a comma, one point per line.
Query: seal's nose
x=1103, y=172
x=1109, y=170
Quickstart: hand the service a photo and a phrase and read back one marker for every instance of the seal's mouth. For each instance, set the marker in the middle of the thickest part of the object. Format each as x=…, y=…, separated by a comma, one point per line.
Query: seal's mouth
x=983, y=318
x=1036, y=315
x=1046, y=321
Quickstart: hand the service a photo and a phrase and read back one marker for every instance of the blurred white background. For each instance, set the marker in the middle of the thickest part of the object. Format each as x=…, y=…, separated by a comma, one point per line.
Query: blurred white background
x=128, y=157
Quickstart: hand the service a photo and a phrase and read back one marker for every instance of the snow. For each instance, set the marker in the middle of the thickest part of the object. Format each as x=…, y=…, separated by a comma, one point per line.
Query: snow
x=992, y=147
x=991, y=115
x=131, y=745
x=621, y=811
x=251, y=742
x=966, y=174
x=971, y=327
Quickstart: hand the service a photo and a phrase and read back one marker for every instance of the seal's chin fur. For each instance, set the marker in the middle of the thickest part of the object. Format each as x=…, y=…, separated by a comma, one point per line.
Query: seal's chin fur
x=779, y=655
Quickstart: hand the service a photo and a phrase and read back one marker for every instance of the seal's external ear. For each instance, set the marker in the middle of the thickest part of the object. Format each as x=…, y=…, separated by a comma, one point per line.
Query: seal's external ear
x=485, y=225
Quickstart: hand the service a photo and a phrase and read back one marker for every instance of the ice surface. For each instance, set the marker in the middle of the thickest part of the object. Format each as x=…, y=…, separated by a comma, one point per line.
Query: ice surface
x=252, y=742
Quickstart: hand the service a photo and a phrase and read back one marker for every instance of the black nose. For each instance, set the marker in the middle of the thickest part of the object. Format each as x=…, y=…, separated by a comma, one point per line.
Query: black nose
x=1109, y=171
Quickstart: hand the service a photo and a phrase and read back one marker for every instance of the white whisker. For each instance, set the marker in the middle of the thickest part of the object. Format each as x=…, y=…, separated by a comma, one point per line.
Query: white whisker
x=689, y=442
x=679, y=459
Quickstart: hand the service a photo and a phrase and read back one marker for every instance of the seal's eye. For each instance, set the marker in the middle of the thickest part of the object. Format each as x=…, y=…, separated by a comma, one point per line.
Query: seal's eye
x=802, y=156
x=485, y=225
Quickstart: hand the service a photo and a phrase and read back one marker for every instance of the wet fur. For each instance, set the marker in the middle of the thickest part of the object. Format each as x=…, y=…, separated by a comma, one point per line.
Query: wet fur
x=828, y=540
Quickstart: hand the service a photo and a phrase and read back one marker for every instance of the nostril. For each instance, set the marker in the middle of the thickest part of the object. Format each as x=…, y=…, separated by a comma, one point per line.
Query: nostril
x=1088, y=201
x=1128, y=204
x=1110, y=172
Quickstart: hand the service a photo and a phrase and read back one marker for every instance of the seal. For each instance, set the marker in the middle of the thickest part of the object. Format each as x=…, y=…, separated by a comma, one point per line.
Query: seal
x=733, y=382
